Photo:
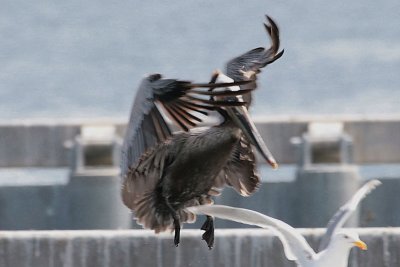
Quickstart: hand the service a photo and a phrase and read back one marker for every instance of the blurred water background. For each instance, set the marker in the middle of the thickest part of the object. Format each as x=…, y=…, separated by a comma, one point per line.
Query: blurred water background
x=86, y=58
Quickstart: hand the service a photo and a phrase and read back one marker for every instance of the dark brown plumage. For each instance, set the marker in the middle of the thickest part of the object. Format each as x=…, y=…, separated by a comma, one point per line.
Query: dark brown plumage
x=161, y=171
x=187, y=168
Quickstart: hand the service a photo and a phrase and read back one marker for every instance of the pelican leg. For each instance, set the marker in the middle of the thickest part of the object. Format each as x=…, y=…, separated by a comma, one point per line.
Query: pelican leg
x=177, y=231
x=177, y=224
x=208, y=235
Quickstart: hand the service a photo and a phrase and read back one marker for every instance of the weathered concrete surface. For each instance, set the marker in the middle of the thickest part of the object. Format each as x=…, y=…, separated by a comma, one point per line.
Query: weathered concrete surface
x=321, y=190
x=236, y=247
x=36, y=144
x=39, y=207
x=382, y=206
x=42, y=142
x=94, y=201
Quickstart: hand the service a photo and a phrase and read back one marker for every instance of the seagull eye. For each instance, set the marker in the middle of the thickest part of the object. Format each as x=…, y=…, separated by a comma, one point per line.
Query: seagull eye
x=346, y=236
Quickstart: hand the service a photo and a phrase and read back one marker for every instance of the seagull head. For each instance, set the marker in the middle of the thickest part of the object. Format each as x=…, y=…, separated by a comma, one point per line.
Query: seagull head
x=351, y=239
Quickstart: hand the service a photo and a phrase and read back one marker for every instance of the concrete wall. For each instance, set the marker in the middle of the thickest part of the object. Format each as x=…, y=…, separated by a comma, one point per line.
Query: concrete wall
x=96, y=204
x=42, y=142
x=233, y=248
x=382, y=206
x=39, y=207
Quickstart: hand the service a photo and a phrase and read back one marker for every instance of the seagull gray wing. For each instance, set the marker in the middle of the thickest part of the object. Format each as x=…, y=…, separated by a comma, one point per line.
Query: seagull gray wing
x=294, y=244
x=343, y=214
x=246, y=67
x=182, y=101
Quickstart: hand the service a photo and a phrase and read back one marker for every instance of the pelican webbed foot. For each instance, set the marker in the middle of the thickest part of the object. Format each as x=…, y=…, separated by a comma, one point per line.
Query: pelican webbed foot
x=208, y=235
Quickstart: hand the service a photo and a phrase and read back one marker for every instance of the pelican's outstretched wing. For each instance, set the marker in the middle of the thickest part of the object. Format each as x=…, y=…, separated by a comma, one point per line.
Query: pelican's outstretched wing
x=294, y=244
x=248, y=65
x=183, y=101
x=343, y=214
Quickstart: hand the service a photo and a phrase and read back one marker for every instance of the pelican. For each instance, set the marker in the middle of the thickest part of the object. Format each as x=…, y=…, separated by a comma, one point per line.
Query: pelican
x=163, y=172
x=335, y=244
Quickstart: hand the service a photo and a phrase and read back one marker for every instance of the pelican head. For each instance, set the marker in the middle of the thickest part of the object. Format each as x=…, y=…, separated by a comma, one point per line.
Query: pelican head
x=154, y=77
x=241, y=118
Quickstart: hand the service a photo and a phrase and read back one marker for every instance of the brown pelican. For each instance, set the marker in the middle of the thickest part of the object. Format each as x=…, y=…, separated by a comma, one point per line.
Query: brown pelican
x=160, y=170
x=184, y=169
x=164, y=173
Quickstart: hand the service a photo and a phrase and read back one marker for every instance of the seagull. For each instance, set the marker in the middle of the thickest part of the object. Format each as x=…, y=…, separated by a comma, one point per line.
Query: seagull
x=336, y=243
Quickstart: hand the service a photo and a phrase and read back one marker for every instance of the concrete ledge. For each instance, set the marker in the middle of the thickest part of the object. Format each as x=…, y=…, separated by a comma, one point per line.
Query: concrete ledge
x=235, y=247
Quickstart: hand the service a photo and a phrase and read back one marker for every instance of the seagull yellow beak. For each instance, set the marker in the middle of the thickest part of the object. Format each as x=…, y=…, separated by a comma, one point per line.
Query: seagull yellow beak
x=360, y=244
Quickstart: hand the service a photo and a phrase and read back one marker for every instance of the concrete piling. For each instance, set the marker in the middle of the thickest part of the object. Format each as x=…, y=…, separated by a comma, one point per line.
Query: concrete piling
x=325, y=178
x=94, y=186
